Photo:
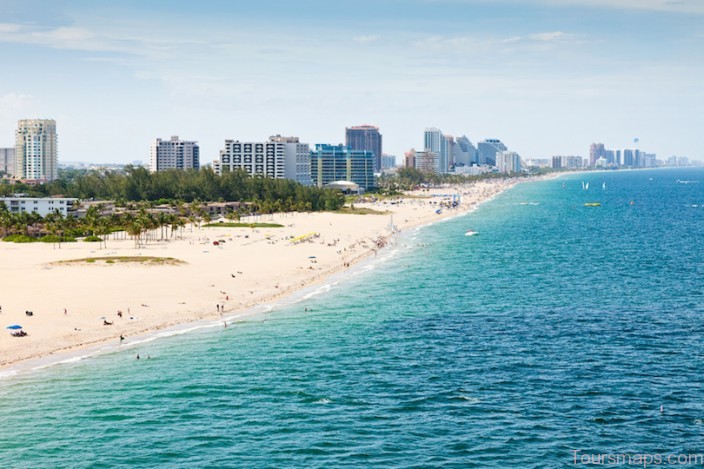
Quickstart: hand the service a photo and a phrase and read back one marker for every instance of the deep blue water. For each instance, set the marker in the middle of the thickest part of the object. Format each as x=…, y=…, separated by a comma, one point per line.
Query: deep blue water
x=559, y=327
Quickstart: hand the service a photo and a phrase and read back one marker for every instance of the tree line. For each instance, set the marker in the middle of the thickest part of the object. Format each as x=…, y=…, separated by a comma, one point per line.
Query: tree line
x=137, y=184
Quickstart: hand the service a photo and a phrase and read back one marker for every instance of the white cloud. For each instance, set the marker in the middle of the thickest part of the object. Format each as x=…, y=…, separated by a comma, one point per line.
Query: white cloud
x=550, y=37
x=366, y=39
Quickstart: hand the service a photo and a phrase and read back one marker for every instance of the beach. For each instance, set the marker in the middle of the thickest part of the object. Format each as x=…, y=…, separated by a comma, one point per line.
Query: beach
x=216, y=272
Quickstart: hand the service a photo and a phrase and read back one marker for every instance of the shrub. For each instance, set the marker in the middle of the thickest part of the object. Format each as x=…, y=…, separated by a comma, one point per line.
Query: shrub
x=92, y=239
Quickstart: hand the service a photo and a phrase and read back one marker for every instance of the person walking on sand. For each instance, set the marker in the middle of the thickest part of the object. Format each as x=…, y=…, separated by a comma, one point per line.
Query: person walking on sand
x=122, y=339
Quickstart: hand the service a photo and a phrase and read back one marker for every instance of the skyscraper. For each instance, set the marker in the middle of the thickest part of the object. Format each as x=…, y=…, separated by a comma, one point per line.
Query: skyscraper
x=7, y=162
x=488, y=149
x=331, y=163
x=436, y=142
x=174, y=154
x=366, y=138
x=35, y=150
x=464, y=152
x=278, y=158
x=596, y=151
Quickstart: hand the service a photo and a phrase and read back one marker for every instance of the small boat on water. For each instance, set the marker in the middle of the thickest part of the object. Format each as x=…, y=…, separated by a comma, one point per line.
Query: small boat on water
x=470, y=233
x=592, y=204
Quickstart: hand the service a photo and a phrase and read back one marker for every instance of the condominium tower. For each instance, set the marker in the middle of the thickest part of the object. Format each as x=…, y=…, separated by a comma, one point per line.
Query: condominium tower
x=488, y=149
x=278, y=158
x=366, y=138
x=174, y=154
x=434, y=141
x=35, y=150
x=7, y=162
x=331, y=163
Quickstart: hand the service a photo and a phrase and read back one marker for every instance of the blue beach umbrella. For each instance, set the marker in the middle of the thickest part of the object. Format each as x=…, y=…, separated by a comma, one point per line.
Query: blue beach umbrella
x=14, y=326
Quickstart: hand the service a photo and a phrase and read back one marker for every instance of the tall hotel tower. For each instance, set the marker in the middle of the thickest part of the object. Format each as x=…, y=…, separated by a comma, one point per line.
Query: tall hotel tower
x=366, y=138
x=35, y=150
x=173, y=154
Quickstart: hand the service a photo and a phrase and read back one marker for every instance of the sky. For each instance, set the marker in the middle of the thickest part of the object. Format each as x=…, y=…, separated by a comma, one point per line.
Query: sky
x=547, y=77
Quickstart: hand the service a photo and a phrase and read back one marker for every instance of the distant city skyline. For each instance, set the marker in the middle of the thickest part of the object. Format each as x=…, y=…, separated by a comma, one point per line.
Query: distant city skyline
x=548, y=77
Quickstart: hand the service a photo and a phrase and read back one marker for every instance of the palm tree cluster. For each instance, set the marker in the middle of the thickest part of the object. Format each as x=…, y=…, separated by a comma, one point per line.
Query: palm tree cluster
x=141, y=224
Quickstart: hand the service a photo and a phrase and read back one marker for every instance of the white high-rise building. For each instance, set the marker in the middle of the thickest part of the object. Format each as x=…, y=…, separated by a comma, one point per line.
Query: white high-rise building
x=36, y=150
x=297, y=157
x=174, y=154
x=508, y=162
x=278, y=158
x=436, y=142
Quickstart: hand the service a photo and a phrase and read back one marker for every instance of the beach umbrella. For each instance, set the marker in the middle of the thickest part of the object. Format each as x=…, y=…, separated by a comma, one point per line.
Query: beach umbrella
x=14, y=326
x=311, y=257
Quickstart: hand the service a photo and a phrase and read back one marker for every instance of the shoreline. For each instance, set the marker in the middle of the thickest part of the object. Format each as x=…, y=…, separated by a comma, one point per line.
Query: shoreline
x=56, y=347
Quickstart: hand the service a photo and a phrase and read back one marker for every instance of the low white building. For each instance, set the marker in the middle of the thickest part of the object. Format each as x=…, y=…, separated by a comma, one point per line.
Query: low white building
x=42, y=206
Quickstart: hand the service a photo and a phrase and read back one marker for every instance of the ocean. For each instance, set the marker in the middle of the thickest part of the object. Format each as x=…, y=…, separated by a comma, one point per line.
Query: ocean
x=560, y=331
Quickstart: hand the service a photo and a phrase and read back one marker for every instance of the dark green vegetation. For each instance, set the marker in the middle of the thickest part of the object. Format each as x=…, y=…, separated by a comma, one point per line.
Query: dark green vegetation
x=139, y=185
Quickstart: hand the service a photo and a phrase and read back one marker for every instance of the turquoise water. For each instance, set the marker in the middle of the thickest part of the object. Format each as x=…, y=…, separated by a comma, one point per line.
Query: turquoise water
x=558, y=327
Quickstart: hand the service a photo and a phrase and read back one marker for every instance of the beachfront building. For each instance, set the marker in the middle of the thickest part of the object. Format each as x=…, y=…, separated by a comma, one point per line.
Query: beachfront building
x=567, y=162
x=434, y=141
x=596, y=151
x=36, y=150
x=487, y=150
x=330, y=163
x=388, y=162
x=174, y=154
x=367, y=138
x=427, y=161
x=41, y=206
x=463, y=152
x=508, y=162
x=296, y=157
x=7, y=162
x=278, y=158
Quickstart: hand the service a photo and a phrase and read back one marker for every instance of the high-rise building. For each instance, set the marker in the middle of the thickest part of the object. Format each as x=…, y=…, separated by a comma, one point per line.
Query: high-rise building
x=366, y=138
x=7, y=162
x=596, y=151
x=36, y=150
x=567, y=162
x=436, y=142
x=388, y=161
x=508, y=162
x=174, y=154
x=331, y=163
x=278, y=158
x=427, y=161
x=488, y=149
x=464, y=152
x=297, y=158
x=628, y=158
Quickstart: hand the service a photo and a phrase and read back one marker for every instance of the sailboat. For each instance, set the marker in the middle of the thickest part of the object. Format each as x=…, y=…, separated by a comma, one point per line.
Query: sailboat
x=583, y=185
x=586, y=187
x=603, y=185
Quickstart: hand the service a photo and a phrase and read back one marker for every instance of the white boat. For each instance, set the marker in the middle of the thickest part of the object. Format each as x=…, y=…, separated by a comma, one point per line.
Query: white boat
x=603, y=185
x=470, y=233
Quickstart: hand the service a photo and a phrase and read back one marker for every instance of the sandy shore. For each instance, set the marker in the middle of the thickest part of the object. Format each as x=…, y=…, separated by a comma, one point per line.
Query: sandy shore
x=70, y=304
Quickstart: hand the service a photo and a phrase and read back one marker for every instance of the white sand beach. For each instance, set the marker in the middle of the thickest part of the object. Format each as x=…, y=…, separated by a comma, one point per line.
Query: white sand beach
x=79, y=305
